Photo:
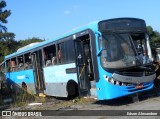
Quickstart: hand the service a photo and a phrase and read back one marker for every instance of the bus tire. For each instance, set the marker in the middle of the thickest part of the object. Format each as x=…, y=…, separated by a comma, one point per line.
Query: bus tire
x=72, y=88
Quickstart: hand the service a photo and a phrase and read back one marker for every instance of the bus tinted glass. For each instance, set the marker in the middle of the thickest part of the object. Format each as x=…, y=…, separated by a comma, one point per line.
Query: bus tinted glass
x=122, y=25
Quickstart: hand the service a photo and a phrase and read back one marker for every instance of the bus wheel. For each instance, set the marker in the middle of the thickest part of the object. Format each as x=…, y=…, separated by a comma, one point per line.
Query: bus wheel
x=72, y=88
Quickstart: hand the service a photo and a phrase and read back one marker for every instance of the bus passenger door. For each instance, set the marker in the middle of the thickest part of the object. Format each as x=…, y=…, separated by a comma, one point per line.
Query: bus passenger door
x=82, y=66
x=38, y=71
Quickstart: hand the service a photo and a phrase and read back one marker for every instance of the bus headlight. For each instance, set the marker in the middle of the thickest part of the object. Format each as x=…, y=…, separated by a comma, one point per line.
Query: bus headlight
x=112, y=81
x=116, y=82
x=108, y=79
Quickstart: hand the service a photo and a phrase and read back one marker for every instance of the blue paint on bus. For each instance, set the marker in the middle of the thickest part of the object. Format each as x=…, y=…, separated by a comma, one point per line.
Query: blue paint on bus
x=21, y=76
x=107, y=90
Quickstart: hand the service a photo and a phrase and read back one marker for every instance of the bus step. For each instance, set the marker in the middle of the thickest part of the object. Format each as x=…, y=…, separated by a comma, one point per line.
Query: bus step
x=42, y=95
x=93, y=92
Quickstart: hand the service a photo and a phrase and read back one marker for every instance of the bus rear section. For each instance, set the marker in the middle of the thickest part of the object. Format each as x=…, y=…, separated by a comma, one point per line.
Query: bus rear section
x=23, y=72
x=125, y=59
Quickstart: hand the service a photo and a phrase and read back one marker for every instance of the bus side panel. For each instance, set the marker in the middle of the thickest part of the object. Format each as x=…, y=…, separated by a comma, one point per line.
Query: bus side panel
x=56, y=79
x=18, y=77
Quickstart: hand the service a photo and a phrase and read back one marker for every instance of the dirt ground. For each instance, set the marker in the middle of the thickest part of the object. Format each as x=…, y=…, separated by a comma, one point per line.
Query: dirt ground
x=58, y=106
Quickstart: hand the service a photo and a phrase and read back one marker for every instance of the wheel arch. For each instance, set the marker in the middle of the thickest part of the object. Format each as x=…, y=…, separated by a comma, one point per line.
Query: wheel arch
x=72, y=88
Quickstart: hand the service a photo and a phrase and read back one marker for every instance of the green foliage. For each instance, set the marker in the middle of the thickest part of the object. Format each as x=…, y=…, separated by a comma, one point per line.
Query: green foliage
x=7, y=43
x=10, y=45
x=150, y=30
x=154, y=37
x=3, y=15
x=6, y=36
x=29, y=41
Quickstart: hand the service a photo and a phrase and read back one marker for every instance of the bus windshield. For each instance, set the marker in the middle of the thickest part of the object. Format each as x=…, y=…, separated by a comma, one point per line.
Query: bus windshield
x=123, y=50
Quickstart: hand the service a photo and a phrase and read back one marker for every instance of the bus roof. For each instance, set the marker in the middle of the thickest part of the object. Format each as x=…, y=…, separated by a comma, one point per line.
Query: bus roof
x=93, y=26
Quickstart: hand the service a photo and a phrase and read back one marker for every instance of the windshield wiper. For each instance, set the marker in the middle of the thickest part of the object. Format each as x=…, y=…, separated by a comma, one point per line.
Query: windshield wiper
x=145, y=68
x=139, y=60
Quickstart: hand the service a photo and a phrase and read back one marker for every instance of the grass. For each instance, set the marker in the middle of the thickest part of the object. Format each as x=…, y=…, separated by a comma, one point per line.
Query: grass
x=65, y=104
x=69, y=103
x=22, y=98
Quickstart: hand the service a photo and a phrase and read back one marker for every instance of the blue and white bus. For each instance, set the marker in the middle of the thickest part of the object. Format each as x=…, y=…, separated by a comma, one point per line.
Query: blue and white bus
x=107, y=59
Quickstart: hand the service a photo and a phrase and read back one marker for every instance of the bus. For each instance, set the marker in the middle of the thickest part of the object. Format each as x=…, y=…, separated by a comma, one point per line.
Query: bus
x=106, y=59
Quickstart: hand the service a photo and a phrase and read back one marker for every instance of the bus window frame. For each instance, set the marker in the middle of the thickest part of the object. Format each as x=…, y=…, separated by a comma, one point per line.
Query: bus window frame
x=18, y=64
x=8, y=67
x=50, y=47
x=29, y=63
x=13, y=69
x=65, y=53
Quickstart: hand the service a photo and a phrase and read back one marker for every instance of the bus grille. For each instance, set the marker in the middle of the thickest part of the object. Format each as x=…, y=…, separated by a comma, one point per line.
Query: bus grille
x=136, y=74
x=133, y=88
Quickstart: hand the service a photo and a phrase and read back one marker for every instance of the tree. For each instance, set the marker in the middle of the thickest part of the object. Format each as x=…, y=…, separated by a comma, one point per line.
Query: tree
x=150, y=30
x=7, y=42
x=29, y=41
x=6, y=36
x=3, y=15
x=154, y=37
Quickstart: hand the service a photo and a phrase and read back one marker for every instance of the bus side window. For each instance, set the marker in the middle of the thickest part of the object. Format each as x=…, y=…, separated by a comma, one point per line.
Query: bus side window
x=69, y=51
x=28, y=64
x=50, y=55
x=8, y=66
x=20, y=63
x=12, y=63
x=61, y=53
x=65, y=53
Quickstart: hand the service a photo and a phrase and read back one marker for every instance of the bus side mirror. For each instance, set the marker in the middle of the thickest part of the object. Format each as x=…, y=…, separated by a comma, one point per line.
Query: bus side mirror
x=99, y=42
